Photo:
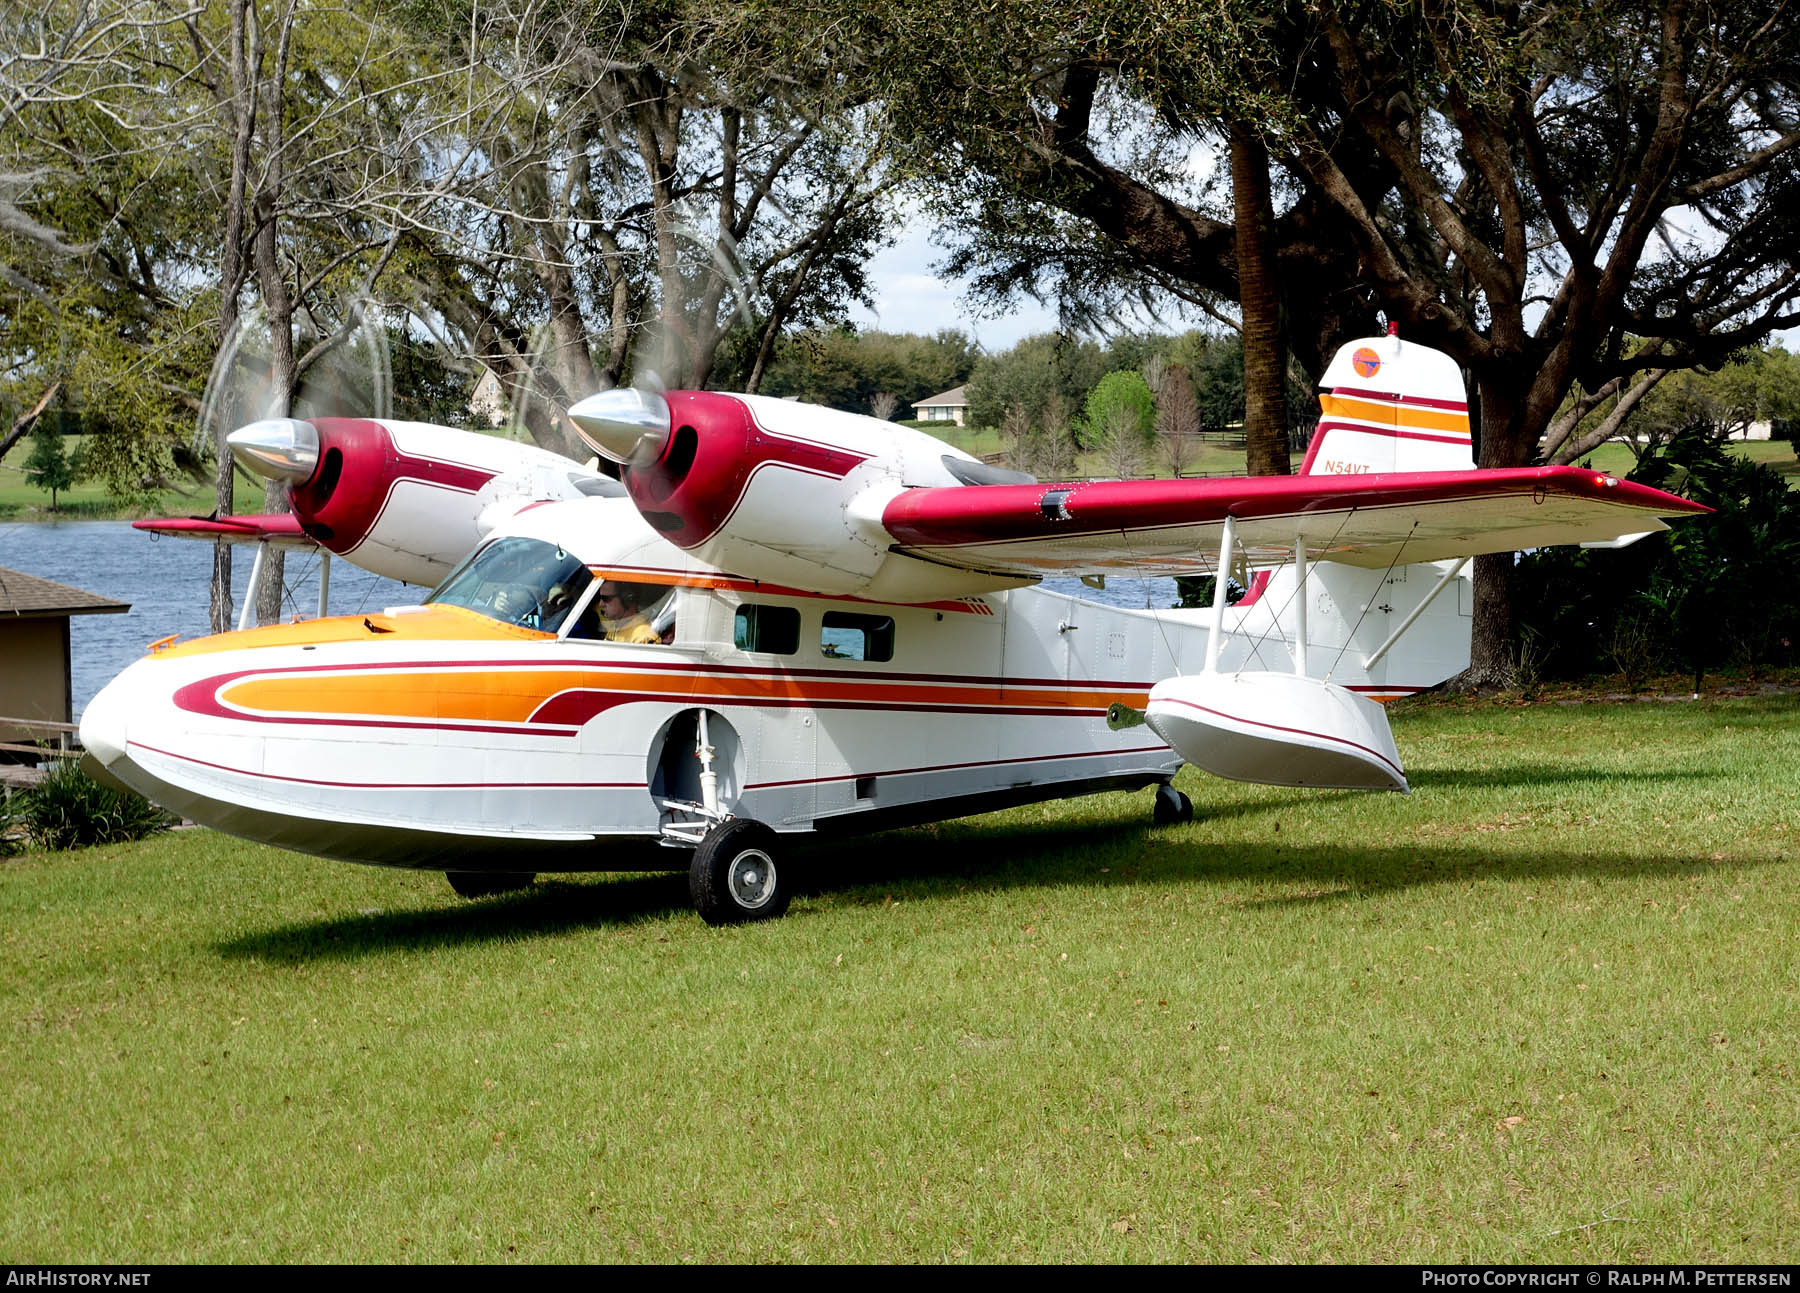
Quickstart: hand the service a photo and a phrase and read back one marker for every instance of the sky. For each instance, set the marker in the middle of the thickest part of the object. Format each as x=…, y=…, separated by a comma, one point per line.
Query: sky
x=910, y=298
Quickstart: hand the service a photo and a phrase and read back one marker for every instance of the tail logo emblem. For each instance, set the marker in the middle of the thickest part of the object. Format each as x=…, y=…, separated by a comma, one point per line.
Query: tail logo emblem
x=1367, y=362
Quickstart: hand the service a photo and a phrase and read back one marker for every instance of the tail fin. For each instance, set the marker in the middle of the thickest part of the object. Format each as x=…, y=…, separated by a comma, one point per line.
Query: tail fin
x=1386, y=406
x=1389, y=405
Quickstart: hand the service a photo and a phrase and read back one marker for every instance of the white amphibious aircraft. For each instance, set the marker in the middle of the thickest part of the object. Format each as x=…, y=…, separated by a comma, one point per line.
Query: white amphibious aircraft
x=790, y=620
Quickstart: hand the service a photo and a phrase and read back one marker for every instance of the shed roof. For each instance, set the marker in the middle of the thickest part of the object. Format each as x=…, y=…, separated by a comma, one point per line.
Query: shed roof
x=26, y=595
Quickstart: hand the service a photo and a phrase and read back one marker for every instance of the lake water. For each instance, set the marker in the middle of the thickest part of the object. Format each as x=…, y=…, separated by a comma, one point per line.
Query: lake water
x=166, y=580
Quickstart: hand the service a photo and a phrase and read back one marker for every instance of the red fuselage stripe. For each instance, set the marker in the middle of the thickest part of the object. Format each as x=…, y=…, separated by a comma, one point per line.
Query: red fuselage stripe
x=1393, y=397
x=627, y=665
x=634, y=785
x=1392, y=433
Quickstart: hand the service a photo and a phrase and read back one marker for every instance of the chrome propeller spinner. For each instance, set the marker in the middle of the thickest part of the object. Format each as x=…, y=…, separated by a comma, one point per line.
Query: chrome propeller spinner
x=627, y=425
x=277, y=449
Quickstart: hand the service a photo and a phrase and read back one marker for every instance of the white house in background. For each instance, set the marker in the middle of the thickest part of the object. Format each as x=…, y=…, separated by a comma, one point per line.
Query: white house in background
x=951, y=406
x=489, y=404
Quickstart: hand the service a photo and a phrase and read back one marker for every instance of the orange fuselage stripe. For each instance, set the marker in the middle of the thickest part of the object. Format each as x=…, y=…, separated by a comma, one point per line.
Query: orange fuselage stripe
x=1399, y=415
x=513, y=696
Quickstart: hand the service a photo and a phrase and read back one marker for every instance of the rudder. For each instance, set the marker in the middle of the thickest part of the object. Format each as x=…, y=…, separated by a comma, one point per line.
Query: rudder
x=1390, y=406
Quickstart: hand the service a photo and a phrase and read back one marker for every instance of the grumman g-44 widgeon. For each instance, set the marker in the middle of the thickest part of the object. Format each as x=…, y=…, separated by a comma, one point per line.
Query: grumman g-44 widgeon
x=787, y=621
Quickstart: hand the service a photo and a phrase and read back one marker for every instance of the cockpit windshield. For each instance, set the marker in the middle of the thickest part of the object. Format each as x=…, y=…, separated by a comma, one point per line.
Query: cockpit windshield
x=517, y=581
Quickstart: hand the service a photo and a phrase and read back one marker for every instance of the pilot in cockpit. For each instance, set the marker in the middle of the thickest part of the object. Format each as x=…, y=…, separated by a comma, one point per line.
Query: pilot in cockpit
x=622, y=614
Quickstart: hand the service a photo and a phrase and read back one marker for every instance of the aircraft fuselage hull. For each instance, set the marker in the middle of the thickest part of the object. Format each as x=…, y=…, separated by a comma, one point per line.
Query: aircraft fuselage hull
x=556, y=754
x=435, y=738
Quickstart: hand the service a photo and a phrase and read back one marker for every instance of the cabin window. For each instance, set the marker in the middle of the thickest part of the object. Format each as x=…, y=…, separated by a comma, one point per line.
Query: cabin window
x=773, y=630
x=844, y=636
x=622, y=611
x=517, y=581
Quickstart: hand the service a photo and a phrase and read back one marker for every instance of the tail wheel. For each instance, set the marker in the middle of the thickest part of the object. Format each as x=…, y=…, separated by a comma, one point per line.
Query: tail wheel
x=734, y=877
x=1172, y=807
x=485, y=884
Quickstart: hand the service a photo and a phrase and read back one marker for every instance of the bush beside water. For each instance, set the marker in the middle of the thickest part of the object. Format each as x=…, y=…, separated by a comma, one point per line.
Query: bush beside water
x=70, y=810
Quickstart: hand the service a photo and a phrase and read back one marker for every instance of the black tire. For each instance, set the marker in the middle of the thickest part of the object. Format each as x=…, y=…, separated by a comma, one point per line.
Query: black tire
x=734, y=877
x=485, y=884
x=1172, y=808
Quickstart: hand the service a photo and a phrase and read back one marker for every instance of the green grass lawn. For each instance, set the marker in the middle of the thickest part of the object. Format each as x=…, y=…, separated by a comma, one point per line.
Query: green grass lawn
x=88, y=500
x=1777, y=454
x=1205, y=459
x=1545, y=1009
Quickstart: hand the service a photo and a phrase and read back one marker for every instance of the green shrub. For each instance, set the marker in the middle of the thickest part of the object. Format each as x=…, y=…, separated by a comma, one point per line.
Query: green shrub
x=1712, y=590
x=69, y=810
x=1119, y=406
x=9, y=823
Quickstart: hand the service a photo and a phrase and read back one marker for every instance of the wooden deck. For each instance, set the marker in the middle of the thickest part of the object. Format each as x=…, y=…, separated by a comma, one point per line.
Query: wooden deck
x=60, y=740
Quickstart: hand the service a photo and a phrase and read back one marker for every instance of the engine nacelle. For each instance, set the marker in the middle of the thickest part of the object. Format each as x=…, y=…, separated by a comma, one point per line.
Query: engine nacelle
x=407, y=500
x=779, y=491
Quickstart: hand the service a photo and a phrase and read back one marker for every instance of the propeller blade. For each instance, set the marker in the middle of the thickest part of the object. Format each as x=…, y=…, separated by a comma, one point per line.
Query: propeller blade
x=625, y=424
x=277, y=449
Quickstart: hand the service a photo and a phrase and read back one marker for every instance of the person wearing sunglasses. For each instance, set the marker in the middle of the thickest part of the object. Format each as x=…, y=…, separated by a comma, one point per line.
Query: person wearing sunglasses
x=621, y=614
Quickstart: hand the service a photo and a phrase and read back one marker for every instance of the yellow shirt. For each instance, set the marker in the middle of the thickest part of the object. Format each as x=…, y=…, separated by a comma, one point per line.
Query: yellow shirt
x=634, y=629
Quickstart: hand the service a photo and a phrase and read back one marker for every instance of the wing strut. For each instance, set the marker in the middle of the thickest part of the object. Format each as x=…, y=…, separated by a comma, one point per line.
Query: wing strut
x=1216, y=638
x=248, y=610
x=1300, y=604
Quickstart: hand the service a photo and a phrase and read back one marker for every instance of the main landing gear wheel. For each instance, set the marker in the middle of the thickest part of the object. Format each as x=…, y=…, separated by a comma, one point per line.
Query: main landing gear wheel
x=734, y=877
x=485, y=884
x=1172, y=807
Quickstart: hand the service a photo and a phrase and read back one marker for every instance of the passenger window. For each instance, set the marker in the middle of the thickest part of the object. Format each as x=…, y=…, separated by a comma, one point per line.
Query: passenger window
x=771, y=629
x=856, y=637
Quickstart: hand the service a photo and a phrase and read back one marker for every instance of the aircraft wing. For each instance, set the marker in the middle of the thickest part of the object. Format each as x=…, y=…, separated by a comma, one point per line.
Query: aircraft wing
x=1173, y=526
x=280, y=530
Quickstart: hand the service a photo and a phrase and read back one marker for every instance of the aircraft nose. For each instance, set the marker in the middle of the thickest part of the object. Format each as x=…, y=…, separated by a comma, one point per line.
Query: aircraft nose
x=625, y=424
x=277, y=449
x=103, y=726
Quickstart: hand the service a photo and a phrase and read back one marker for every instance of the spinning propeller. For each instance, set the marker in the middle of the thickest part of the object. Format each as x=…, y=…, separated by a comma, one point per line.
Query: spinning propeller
x=406, y=500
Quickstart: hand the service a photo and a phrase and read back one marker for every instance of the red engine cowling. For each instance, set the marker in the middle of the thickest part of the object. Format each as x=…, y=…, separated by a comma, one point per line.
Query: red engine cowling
x=775, y=490
x=404, y=499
